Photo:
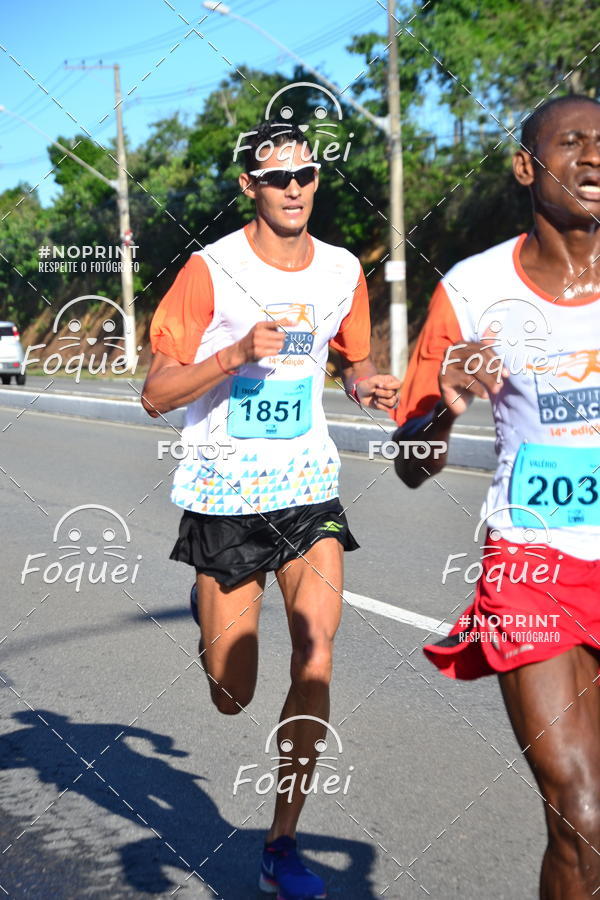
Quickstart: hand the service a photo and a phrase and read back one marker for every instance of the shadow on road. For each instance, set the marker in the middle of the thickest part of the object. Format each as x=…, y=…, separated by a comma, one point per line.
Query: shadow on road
x=151, y=792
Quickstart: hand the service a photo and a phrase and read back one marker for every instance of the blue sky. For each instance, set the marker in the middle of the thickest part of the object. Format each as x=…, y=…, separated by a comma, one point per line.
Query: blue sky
x=138, y=34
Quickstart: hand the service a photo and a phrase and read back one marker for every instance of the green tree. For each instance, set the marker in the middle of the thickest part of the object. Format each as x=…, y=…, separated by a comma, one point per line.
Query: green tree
x=507, y=55
x=24, y=229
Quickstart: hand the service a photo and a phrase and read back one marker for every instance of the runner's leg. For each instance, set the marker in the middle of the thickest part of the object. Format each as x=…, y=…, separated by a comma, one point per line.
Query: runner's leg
x=313, y=605
x=229, y=628
x=554, y=707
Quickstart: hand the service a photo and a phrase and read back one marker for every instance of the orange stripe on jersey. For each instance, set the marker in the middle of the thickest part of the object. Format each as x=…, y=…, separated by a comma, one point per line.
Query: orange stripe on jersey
x=184, y=313
x=420, y=391
x=353, y=339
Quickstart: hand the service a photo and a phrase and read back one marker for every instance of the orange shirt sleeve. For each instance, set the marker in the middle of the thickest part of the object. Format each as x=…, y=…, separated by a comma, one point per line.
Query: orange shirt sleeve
x=184, y=313
x=420, y=390
x=353, y=339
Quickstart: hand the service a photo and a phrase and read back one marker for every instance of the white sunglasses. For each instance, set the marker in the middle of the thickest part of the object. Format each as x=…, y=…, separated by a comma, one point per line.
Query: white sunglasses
x=276, y=176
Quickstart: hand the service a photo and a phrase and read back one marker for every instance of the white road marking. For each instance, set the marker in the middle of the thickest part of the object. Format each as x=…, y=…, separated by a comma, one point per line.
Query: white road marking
x=425, y=623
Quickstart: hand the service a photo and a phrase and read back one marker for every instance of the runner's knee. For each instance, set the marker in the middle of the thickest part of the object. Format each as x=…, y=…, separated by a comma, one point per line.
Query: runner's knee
x=311, y=665
x=573, y=816
x=231, y=700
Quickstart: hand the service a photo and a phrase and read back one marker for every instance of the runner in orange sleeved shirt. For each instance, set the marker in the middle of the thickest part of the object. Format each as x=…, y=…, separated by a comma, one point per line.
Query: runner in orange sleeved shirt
x=520, y=325
x=242, y=339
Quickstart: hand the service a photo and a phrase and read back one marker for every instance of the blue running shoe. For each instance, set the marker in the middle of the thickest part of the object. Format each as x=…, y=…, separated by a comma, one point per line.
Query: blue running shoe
x=194, y=603
x=283, y=872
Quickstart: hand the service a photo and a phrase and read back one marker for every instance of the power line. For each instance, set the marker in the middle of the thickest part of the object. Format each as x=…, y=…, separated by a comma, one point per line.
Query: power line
x=32, y=111
x=159, y=42
x=173, y=95
x=35, y=92
x=324, y=40
x=321, y=40
x=22, y=162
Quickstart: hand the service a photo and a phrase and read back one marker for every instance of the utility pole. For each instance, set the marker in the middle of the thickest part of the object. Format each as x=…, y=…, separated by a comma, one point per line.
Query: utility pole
x=125, y=231
x=126, y=237
x=395, y=268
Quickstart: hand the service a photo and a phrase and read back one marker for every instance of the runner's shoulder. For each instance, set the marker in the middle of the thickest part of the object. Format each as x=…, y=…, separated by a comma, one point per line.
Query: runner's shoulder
x=334, y=252
x=482, y=266
x=225, y=249
x=335, y=257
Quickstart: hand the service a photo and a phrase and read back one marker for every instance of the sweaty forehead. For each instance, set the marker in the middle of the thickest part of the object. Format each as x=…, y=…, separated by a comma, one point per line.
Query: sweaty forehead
x=576, y=116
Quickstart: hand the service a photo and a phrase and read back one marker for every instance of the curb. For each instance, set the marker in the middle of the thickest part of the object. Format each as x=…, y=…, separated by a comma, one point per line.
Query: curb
x=470, y=449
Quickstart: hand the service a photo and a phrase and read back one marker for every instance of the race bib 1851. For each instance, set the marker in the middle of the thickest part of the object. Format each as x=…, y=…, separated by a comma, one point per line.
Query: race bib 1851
x=560, y=484
x=268, y=408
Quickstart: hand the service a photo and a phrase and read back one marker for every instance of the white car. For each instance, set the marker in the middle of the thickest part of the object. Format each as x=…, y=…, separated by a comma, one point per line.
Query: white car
x=11, y=354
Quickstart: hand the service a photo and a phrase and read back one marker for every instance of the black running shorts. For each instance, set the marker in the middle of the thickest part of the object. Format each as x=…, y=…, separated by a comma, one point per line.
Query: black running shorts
x=230, y=548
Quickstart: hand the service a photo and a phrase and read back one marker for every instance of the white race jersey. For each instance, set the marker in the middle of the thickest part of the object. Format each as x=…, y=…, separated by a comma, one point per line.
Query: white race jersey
x=547, y=483
x=266, y=423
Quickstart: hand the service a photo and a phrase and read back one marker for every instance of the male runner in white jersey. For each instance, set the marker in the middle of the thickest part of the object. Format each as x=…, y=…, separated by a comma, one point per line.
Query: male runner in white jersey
x=531, y=308
x=242, y=340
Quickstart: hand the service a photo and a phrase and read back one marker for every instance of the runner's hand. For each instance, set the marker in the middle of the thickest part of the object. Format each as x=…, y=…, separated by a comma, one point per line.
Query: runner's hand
x=263, y=339
x=467, y=371
x=379, y=391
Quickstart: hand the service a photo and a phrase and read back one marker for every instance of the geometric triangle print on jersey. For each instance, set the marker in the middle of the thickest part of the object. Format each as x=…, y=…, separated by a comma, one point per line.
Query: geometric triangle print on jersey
x=246, y=485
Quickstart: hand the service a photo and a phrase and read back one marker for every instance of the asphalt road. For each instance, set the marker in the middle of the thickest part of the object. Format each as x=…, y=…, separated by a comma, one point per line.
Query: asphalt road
x=118, y=775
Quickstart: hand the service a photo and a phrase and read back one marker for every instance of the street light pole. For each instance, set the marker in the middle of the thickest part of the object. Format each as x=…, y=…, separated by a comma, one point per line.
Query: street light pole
x=396, y=267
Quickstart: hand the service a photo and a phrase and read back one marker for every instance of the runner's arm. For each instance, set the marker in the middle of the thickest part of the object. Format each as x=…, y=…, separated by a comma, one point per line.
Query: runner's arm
x=178, y=327
x=171, y=383
x=439, y=387
x=361, y=380
x=367, y=386
x=433, y=427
